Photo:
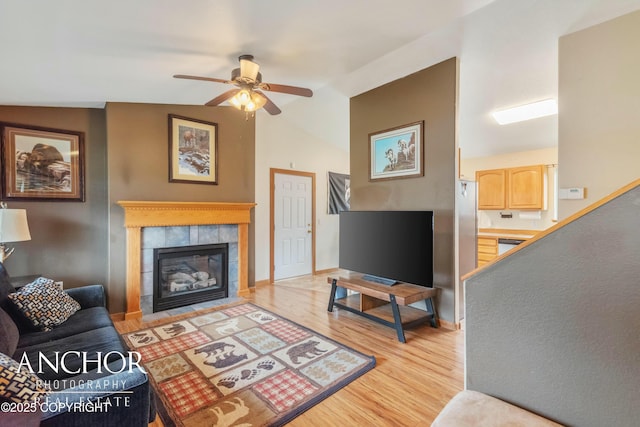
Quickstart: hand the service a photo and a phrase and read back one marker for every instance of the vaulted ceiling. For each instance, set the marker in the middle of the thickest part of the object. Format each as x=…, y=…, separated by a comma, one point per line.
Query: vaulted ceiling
x=85, y=53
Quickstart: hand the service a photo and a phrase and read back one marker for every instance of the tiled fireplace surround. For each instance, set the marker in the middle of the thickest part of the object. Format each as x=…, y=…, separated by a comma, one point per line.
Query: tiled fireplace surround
x=178, y=223
x=185, y=235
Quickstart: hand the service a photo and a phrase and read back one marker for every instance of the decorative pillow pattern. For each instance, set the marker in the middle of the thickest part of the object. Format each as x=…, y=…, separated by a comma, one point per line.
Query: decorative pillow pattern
x=18, y=385
x=9, y=334
x=44, y=303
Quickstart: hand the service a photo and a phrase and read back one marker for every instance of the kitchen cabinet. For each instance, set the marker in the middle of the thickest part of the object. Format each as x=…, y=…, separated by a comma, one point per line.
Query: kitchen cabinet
x=487, y=249
x=518, y=188
x=492, y=189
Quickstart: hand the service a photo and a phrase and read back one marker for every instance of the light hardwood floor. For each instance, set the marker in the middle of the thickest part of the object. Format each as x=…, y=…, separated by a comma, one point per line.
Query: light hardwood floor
x=411, y=382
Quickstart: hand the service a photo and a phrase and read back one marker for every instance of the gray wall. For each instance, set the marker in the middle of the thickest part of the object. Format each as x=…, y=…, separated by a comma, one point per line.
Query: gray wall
x=554, y=327
x=599, y=101
x=428, y=95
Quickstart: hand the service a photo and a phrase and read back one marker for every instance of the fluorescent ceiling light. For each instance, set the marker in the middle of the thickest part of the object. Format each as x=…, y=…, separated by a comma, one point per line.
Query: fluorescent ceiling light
x=534, y=110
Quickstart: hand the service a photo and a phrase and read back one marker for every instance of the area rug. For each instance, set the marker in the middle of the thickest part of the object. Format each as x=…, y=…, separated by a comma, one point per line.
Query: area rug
x=242, y=365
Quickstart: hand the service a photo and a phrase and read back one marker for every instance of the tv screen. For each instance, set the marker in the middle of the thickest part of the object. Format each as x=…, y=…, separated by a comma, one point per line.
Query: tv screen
x=396, y=245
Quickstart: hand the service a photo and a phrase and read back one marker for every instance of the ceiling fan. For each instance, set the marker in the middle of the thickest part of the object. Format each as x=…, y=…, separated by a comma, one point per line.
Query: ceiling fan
x=248, y=95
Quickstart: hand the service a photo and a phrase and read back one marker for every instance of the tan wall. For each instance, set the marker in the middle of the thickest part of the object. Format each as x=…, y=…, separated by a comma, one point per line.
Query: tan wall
x=545, y=156
x=138, y=167
x=599, y=101
x=428, y=95
x=65, y=234
x=126, y=150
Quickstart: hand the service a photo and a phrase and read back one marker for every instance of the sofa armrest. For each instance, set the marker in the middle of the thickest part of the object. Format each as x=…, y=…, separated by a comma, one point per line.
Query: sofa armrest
x=88, y=296
x=123, y=399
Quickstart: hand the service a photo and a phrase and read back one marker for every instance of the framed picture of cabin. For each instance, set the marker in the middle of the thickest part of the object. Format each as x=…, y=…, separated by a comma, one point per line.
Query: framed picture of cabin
x=397, y=152
x=42, y=164
x=193, y=151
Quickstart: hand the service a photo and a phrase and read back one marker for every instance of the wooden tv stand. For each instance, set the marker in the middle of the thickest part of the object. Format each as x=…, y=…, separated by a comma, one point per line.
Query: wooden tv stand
x=384, y=304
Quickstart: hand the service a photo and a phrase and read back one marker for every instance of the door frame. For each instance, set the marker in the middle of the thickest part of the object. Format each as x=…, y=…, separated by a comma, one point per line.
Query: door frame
x=272, y=224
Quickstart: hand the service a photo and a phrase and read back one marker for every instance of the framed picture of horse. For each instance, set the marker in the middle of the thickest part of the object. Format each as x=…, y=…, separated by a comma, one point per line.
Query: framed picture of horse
x=193, y=151
x=42, y=164
x=397, y=152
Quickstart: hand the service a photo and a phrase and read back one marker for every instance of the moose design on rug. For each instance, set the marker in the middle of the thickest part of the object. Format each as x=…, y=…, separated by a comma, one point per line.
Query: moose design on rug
x=239, y=410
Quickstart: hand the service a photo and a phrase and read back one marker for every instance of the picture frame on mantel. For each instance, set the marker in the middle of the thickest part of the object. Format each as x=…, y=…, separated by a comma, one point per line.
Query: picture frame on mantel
x=42, y=164
x=397, y=152
x=193, y=151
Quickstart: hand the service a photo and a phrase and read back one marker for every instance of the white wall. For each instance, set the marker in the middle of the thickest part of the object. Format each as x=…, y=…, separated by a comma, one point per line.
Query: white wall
x=311, y=135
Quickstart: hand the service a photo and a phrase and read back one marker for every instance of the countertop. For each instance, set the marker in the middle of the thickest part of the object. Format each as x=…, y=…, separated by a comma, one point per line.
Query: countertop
x=507, y=234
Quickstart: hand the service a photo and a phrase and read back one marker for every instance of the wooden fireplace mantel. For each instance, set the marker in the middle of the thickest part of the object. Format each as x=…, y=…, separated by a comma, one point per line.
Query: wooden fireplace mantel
x=139, y=214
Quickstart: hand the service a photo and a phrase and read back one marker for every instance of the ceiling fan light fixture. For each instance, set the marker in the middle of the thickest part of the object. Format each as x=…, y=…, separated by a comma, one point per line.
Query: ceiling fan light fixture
x=248, y=96
x=248, y=100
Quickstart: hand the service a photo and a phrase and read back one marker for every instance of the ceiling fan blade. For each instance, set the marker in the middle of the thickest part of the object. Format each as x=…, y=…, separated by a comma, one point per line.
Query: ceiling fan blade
x=221, y=98
x=293, y=90
x=206, y=79
x=269, y=106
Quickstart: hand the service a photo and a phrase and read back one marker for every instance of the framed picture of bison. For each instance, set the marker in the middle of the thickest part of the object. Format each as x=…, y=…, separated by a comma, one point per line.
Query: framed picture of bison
x=193, y=151
x=397, y=152
x=42, y=164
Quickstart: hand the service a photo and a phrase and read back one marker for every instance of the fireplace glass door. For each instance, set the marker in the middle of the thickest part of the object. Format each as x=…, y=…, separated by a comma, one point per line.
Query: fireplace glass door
x=188, y=275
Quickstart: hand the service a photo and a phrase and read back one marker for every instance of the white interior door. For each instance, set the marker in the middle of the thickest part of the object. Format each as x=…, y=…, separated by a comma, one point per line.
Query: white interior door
x=292, y=226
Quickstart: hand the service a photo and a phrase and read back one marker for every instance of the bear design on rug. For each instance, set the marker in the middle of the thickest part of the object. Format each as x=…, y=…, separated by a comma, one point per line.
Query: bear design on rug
x=175, y=329
x=223, y=359
x=307, y=350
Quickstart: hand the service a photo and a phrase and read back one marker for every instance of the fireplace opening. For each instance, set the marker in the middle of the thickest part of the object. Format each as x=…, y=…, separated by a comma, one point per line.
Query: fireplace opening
x=188, y=275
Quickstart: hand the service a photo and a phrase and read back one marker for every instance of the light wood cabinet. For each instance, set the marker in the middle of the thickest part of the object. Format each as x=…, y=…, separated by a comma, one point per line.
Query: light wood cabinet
x=526, y=187
x=514, y=188
x=492, y=189
x=487, y=249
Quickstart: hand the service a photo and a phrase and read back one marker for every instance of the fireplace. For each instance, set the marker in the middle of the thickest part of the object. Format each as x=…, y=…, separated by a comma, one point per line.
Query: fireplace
x=140, y=214
x=188, y=275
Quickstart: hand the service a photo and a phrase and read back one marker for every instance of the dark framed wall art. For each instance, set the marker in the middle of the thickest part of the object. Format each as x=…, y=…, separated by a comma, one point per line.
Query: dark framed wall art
x=193, y=151
x=397, y=152
x=42, y=164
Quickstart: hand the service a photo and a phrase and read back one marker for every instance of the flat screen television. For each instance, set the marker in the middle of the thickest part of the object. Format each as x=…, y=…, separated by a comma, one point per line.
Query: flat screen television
x=393, y=245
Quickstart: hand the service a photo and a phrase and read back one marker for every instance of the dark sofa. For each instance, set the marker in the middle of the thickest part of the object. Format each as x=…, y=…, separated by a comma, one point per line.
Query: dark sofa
x=97, y=384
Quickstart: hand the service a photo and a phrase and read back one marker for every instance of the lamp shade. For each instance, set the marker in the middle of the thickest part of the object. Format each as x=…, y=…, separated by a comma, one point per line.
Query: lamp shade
x=13, y=225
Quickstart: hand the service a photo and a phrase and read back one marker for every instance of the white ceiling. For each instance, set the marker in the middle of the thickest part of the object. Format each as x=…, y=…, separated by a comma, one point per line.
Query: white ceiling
x=85, y=53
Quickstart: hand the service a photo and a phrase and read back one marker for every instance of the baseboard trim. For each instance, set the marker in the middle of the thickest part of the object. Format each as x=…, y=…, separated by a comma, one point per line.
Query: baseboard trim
x=261, y=283
x=117, y=317
x=326, y=271
x=449, y=325
x=267, y=282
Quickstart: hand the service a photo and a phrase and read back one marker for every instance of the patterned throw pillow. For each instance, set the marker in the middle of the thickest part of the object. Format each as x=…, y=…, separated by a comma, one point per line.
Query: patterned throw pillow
x=19, y=385
x=44, y=303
